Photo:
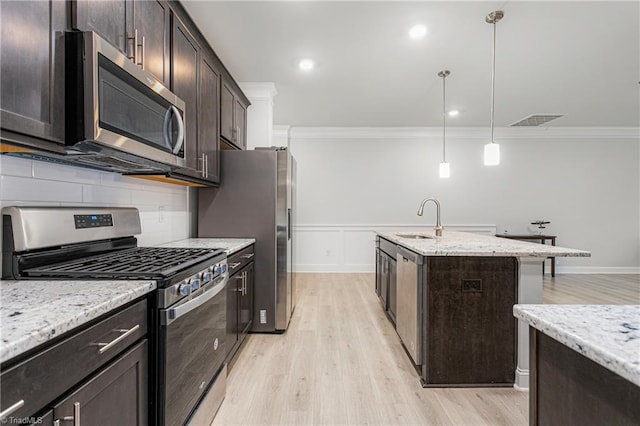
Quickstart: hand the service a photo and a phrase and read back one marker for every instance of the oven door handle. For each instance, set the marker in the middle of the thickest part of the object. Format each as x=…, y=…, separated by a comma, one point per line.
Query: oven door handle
x=172, y=314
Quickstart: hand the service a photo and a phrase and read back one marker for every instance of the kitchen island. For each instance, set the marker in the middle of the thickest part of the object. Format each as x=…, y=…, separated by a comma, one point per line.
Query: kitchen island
x=585, y=363
x=466, y=287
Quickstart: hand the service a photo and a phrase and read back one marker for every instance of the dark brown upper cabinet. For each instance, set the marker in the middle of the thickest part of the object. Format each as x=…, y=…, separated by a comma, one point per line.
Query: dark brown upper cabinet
x=233, y=114
x=151, y=21
x=209, y=109
x=32, y=69
x=185, y=54
x=196, y=80
x=139, y=28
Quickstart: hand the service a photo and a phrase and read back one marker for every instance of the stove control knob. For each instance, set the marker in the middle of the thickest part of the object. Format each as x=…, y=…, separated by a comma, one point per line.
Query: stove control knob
x=223, y=267
x=217, y=269
x=206, y=277
x=185, y=288
x=195, y=283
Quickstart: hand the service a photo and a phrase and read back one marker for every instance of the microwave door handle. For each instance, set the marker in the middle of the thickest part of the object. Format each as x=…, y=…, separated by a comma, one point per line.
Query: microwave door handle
x=167, y=121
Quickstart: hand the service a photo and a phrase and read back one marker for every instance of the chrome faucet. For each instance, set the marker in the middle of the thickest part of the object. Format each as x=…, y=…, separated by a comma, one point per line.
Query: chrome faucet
x=438, y=227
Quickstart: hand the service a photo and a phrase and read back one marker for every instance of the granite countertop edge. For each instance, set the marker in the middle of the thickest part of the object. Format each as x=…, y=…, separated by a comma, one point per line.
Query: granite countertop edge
x=594, y=348
x=456, y=243
x=229, y=245
x=50, y=312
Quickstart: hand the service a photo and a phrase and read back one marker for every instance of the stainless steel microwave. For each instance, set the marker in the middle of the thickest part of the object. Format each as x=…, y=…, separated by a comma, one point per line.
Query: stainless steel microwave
x=118, y=116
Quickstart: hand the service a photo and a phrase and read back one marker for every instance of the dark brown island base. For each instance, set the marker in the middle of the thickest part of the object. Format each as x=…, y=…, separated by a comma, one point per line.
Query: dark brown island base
x=451, y=300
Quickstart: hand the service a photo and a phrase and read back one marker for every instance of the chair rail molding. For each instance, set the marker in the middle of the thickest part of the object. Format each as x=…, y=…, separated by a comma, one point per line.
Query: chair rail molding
x=350, y=247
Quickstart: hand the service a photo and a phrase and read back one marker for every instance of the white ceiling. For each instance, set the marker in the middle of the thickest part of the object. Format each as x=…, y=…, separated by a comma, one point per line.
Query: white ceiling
x=581, y=59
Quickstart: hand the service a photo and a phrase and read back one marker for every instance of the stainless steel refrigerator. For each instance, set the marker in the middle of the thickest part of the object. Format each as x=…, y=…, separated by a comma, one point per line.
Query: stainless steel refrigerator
x=256, y=199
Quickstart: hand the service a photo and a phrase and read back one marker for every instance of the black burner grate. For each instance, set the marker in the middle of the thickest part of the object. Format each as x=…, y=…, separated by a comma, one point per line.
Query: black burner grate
x=139, y=262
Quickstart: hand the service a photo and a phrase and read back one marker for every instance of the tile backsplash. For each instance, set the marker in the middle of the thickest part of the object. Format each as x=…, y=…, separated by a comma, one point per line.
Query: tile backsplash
x=164, y=212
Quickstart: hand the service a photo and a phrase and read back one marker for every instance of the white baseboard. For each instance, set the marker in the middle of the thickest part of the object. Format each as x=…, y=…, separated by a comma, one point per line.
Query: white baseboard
x=335, y=269
x=522, y=380
x=597, y=270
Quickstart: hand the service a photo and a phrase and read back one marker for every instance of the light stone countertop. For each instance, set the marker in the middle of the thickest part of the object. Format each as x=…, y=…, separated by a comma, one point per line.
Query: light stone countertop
x=606, y=334
x=33, y=312
x=454, y=243
x=230, y=245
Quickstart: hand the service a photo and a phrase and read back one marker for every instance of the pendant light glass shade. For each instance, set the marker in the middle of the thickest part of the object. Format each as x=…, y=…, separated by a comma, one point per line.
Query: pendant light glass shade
x=491, y=154
x=445, y=171
x=492, y=149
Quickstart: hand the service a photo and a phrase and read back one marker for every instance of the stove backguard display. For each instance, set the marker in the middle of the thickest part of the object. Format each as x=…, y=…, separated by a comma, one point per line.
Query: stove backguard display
x=92, y=220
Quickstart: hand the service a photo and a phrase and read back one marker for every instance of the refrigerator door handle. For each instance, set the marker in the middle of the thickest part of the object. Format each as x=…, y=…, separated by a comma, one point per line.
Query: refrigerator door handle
x=288, y=224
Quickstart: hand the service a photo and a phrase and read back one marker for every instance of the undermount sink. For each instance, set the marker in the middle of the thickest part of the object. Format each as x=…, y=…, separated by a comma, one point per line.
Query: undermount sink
x=414, y=236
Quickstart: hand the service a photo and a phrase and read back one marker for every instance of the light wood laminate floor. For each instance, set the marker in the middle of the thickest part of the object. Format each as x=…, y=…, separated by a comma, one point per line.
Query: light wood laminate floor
x=342, y=363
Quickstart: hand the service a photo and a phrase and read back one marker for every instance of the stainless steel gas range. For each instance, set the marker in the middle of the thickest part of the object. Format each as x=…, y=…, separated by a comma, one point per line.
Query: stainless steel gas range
x=188, y=316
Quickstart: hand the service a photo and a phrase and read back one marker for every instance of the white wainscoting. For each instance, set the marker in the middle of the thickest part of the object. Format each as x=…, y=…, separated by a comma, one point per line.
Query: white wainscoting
x=351, y=248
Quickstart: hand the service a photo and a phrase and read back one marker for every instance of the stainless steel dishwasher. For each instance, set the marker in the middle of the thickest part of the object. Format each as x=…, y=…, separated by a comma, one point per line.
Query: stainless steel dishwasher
x=409, y=302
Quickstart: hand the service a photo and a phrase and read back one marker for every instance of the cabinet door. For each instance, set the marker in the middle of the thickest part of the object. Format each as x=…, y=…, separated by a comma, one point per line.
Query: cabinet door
x=111, y=19
x=379, y=271
x=392, y=288
x=384, y=282
x=227, y=105
x=233, y=295
x=184, y=80
x=117, y=395
x=208, y=140
x=240, y=123
x=32, y=68
x=151, y=20
x=245, y=311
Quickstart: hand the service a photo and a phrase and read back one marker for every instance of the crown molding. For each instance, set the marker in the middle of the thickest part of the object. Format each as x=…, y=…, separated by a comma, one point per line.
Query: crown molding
x=259, y=91
x=501, y=133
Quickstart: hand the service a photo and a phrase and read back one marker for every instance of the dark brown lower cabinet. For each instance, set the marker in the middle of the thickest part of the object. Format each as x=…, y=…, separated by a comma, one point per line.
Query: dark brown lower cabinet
x=239, y=300
x=568, y=388
x=117, y=395
x=386, y=276
x=245, y=311
x=469, y=331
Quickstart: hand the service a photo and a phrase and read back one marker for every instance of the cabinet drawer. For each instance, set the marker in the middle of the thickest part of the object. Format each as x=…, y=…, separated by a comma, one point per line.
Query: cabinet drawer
x=40, y=379
x=240, y=259
x=388, y=247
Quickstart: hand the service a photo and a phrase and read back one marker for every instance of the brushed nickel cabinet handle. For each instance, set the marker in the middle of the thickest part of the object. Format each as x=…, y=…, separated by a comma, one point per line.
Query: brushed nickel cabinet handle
x=11, y=409
x=125, y=333
x=131, y=47
x=75, y=418
x=248, y=255
x=140, y=62
x=234, y=265
x=203, y=160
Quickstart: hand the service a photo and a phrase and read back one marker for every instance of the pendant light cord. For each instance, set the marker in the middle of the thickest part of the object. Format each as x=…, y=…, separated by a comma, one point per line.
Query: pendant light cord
x=444, y=119
x=493, y=79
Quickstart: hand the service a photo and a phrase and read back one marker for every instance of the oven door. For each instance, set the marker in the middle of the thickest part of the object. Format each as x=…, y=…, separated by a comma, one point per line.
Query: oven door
x=120, y=106
x=192, y=344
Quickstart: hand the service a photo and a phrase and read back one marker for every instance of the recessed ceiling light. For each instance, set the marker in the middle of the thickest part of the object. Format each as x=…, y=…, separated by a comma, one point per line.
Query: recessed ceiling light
x=306, y=65
x=417, y=32
x=453, y=112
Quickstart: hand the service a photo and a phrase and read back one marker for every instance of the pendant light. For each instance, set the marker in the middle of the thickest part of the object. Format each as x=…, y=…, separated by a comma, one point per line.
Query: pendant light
x=492, y=149
x=445, y=171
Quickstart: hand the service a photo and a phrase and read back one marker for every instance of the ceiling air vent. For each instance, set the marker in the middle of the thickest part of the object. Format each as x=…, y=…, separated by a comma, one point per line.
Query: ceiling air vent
x=535, y=120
